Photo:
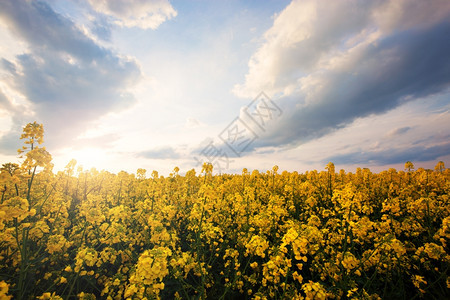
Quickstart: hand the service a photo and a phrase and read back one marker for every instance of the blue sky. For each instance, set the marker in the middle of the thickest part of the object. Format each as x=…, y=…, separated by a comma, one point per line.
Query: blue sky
x=121, y=85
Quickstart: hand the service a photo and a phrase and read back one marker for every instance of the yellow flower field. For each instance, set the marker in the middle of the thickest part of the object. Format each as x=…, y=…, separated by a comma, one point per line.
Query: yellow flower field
x=92, y=234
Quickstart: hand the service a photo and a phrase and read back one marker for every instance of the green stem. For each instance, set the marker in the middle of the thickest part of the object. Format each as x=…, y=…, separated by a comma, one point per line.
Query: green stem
x=30, y=183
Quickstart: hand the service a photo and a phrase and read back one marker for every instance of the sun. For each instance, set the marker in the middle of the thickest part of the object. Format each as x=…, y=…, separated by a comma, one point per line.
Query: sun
x=88, y=157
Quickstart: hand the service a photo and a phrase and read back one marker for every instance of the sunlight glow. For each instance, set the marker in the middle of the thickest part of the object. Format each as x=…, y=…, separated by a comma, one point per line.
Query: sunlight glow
x=87, y=157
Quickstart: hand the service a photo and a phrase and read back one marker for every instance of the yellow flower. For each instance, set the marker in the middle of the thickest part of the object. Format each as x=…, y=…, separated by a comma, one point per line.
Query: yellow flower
x=351, y=292
x=350, y=261
x=257, y=246
x=4, y=287
x=49, y=296
x=86, y=256
x=419, y=282
x=150, y=271
x=297, y=277
x=15, y=207
x=314, y=290
x=56, y=243
x=62, y=280
x=86, y=296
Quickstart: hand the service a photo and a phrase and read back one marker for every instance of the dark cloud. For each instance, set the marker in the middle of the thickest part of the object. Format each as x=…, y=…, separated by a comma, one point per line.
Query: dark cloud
x=8, y=66
x=41, y=27
x=10, y=142
x=160, y=153
x=69, y=80
x=392, y=156
x=402, y=67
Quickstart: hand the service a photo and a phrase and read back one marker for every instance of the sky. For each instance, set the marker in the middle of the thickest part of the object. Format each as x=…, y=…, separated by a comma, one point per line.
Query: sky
x=155, y=84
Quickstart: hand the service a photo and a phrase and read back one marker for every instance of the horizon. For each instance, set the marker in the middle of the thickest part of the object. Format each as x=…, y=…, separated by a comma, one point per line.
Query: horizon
x=140, y=172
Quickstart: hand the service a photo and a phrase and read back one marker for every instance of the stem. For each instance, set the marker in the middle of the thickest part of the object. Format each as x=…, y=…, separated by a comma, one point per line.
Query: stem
x=3, y=194
x=23, y=268
x=30, y=183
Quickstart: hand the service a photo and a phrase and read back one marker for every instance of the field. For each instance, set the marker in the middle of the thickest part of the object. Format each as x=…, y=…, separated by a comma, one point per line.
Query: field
x=79, y=234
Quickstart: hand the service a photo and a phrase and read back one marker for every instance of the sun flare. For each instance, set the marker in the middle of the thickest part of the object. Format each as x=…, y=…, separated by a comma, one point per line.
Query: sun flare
x=87, y=157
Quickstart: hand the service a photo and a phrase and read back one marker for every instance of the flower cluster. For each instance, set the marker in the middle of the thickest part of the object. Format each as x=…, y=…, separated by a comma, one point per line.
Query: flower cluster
x=81, y=234
x=149, y=274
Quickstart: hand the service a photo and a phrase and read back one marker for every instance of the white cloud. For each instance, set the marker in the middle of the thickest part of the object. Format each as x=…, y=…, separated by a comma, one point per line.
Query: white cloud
x=136, y=13
x=303, y=33
x=307, y=35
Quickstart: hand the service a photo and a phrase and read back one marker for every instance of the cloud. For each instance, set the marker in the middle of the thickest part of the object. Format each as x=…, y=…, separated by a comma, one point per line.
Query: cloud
x=328, y=64
x=10, y=139
x=303, y=33
x=309, y=35
x=136, y=13
x=8, y=66
x=4, y=102
x=398, y=131
x=192, y=123
x=100, y=28
x=68, y=79
x=392, y=156
x=165, y=152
